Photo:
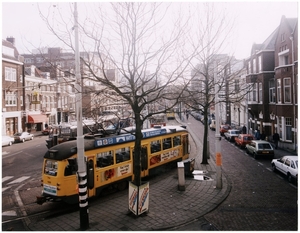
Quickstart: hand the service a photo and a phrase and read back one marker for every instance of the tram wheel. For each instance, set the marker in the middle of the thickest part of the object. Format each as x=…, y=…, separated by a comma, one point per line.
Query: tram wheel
x=122, y=185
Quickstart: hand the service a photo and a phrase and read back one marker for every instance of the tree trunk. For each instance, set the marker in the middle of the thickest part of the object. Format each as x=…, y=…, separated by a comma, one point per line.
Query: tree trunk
x=204, y=152
x=137, y=150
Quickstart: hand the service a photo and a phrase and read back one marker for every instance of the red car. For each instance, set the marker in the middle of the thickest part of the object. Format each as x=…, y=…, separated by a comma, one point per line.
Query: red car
x=243, y=139
x=224, y=129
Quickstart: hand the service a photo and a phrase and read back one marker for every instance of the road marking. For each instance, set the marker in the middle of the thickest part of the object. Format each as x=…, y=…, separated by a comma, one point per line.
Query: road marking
x=3, y=189
x=19, y=180
x=4, y=157
x=6, y=178
x=9, y=213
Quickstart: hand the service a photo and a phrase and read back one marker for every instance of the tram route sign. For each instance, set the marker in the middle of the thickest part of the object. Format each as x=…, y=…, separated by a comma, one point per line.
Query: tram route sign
x=127, y=137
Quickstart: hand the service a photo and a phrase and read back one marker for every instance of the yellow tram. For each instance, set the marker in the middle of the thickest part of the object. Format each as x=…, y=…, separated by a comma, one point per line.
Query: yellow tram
x=109, y=161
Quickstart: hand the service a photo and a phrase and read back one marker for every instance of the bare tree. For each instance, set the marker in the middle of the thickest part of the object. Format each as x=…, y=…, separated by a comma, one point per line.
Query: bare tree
x=209, y=40
x=144, y=43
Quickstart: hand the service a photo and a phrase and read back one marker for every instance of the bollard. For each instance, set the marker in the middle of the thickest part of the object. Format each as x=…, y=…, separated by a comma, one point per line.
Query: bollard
x=181, y=178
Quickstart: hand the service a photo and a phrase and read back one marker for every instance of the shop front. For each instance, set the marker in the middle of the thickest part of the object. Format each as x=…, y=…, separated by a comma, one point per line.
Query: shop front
x=35, y=122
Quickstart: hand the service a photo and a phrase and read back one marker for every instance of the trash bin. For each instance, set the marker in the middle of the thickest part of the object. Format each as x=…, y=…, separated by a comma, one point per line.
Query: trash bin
x=49, y=143
x=189, y=165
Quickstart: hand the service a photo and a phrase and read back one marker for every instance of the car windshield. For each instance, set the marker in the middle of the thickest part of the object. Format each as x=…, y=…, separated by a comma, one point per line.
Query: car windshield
x=17, y=134
x=248, y=138
x=264, y=146
x=296, y=162
x=235, y=132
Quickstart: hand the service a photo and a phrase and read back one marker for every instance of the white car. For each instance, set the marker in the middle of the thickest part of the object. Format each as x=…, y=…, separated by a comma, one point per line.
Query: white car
x=288, y=165
x=7, y=140
x=231, y=134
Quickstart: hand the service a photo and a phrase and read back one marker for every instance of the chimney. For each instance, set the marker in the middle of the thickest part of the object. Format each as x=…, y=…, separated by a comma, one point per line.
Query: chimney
x=11, y=40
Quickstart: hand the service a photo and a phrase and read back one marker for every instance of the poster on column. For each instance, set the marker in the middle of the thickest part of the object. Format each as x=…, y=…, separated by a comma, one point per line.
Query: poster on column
x=138, y=200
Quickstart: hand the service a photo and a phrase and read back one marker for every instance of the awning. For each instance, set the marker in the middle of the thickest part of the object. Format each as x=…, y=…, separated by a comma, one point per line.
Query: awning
x=37, y=118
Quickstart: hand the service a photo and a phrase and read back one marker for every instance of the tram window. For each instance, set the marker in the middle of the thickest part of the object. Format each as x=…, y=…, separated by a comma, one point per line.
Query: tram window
x=155, y=146
x=105, y=159
x=71, y=168
x=50, y=167
x=167, y=143
x=122, y=154
x=176, y=141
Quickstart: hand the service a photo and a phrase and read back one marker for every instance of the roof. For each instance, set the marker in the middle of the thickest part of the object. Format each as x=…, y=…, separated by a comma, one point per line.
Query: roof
x=65, y=150
x=10, y=45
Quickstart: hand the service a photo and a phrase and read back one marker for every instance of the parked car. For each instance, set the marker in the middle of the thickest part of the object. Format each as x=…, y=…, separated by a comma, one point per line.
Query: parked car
x=260, y=148
x=212, y=125
x=224, y=129
x=231, y=134
x=7, y=140
x=243, y=139
x=288, y=165
x=22, y=137
x=46, y=131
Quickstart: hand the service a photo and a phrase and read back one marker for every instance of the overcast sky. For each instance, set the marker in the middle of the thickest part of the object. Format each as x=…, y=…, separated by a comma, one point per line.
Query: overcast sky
x=255, y=21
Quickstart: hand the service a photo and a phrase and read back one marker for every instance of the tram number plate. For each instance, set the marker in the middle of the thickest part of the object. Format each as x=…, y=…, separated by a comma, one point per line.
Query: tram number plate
x=50, y=189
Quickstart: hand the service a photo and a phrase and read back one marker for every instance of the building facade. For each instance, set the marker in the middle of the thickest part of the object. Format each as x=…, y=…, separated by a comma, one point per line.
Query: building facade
x=12, y=89
x=273, y=76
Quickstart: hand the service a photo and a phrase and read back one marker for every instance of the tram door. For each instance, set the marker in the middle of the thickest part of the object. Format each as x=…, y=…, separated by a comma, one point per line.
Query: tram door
x=185, y=144
x=90, y=177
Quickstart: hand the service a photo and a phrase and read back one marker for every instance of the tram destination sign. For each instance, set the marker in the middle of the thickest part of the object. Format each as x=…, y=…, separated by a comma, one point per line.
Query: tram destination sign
x=127, y=137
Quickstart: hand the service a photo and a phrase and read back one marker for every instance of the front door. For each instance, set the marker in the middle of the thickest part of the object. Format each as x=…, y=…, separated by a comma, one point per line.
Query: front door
x=90, y=177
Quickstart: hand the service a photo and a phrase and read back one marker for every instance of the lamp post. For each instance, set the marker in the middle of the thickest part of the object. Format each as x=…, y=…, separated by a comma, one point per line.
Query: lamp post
x=82, y=174
x=217, y=135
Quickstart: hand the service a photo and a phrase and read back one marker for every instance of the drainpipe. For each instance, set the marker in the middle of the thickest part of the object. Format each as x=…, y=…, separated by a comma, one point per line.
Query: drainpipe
x=294, y=90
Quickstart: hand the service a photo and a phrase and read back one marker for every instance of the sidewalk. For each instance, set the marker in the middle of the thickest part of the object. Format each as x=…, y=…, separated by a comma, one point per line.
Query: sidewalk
x=168, y=207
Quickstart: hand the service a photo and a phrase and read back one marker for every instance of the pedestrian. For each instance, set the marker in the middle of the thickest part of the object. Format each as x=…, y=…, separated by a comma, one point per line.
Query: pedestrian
x=276, y=139
x=244, y=129
x=263, y=136
x=257, y=134
x=187, y=116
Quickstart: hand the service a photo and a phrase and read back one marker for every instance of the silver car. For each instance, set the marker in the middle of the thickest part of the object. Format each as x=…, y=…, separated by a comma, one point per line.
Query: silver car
x=22, y=137
x=260, y=148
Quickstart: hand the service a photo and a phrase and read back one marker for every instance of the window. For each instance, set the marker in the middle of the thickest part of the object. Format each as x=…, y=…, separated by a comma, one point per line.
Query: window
x=280, y=127
x=39, y=59
x=260, y=92
x=10, y=74
x=122, y=155
x=28, y=60
x=272, y=94
x=288, y=128
x=236, y=85
x=259, y=64
x=283, y=57
x=287, y=90
x=105, y=159
x=155, y=146
x=254, y=92
x=282, y=37
x=254, y=65
x=21, y=100
x=167, y=143
x=50, y=167
x=249, y=68
x=176, y=141
x=10, y=98
x=278, y=90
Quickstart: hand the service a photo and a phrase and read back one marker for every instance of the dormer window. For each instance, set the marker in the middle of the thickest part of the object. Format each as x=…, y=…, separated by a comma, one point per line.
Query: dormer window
x=283, y=57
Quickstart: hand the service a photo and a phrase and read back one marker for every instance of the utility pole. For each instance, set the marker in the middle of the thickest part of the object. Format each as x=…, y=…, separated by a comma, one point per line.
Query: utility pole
x=82, y=175
x=217, y=135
